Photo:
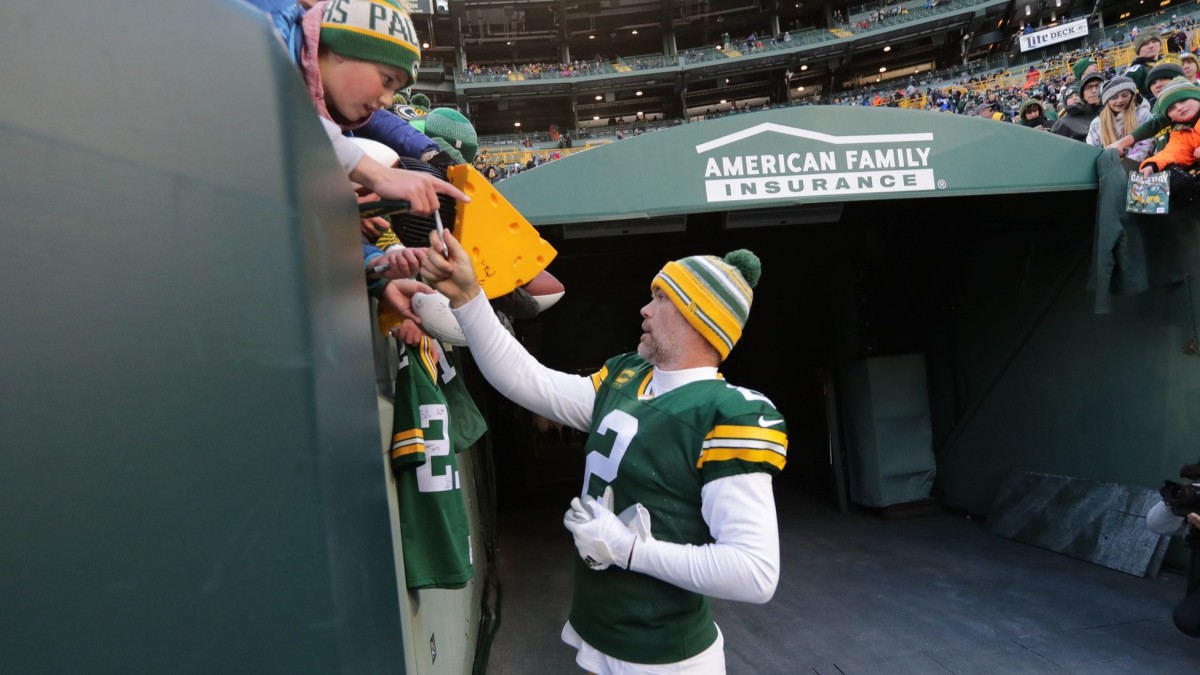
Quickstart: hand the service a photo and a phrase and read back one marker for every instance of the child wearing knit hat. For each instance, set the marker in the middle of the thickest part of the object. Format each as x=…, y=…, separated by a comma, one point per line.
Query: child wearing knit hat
x=1118, y=115
x=1158, y=126
x=354, y=56
x=1146, y=48
x=1180, y=102
x=1163, y=72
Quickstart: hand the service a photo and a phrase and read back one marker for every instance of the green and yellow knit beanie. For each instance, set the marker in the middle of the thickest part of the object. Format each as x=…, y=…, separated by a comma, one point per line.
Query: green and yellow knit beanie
x=372, y=30
x=713, y=294
x=1179, y=89
x=451, y=126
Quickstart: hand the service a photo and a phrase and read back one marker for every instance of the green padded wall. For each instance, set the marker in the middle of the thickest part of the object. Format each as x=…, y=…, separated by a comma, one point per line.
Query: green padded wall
x=190, y=478
x=885, y=412
x=1046, y=385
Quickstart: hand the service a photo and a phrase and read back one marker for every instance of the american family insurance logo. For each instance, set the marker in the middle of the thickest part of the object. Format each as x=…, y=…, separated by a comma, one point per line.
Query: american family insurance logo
x=825, y=166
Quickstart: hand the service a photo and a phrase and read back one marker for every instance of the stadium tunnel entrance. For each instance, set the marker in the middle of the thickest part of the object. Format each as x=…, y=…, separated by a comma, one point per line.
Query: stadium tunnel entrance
x=928, y=314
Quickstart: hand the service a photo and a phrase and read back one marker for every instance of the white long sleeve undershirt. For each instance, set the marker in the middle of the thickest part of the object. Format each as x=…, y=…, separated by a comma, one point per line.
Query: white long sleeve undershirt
x=742, y=564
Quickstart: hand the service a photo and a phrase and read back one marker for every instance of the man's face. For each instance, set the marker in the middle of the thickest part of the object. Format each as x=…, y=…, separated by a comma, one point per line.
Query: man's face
x=1150, y=49
x=1158, y=85
x=1091, y=92
x=665, y=333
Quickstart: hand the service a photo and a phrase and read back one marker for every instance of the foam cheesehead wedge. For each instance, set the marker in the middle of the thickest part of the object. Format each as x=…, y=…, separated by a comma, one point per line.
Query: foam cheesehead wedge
x=506, y=250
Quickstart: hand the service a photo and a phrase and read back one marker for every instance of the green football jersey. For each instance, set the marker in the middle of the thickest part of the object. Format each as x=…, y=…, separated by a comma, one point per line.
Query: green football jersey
x=660, y=452
x=434, y=529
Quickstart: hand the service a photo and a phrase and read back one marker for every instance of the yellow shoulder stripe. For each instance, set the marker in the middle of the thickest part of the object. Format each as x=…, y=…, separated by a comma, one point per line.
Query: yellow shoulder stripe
x=645, y=383
x=428, y=358
x=769, y=434
x=598, y=377
x=745, y=454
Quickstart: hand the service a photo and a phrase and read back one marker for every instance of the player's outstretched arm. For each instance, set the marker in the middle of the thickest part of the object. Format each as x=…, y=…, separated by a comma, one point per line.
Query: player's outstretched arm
x=504, y=362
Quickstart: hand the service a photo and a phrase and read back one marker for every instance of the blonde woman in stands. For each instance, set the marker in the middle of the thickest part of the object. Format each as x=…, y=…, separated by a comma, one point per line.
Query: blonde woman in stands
x=1119, y=116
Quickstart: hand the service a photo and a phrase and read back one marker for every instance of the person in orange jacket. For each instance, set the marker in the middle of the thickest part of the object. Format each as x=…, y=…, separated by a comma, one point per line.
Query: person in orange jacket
x=1180, y=102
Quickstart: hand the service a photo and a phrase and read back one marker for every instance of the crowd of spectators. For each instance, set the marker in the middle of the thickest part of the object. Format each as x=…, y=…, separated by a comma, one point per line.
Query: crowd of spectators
x=728, y=47
x=875, y=16
x=1003, y=93
x=535, y=71
x=1102, y=93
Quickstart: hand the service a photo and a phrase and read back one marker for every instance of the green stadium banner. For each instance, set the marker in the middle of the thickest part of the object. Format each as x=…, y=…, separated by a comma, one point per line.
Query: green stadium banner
x=800, y=155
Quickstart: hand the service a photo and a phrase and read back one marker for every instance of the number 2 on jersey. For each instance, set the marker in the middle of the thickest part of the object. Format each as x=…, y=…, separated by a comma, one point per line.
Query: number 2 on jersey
x=625, y=427
x=427, y=480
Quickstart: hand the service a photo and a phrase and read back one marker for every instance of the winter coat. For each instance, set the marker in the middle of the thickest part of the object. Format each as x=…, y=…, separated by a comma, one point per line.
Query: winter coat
x=383, y=126
x=1139, y=150
x=1184, y=140
x=1075, y=121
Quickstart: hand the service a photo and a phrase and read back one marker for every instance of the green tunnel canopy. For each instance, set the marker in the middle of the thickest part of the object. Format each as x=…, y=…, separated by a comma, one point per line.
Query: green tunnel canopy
x=800, y=155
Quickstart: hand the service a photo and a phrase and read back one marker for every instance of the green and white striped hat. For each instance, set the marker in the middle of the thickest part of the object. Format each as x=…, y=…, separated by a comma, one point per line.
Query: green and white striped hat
x=372, y=30
x=713, y=294
x=1179, y=89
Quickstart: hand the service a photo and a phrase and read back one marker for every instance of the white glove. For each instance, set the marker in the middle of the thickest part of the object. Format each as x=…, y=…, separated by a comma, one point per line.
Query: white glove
x=600, y=536
x=637, y=519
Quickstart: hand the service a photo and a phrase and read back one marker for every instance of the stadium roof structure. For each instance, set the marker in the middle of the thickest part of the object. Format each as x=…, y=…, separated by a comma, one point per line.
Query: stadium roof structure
x=796, y=157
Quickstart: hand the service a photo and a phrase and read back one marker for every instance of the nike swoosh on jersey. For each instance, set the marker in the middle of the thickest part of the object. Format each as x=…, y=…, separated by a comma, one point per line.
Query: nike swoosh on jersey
x=764, y=422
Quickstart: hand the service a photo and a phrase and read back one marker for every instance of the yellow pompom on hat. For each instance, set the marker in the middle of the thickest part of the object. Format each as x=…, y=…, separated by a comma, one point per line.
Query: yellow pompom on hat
x=713, y=294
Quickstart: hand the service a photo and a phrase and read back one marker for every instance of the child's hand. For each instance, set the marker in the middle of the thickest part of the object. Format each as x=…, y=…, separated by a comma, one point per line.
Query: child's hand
x=399, y=294
x=1147, y=171
x=421, y=190
x=1121, y=143
x=1196, y=153
x=404, y=263
x=373, y=227
x=409, y=333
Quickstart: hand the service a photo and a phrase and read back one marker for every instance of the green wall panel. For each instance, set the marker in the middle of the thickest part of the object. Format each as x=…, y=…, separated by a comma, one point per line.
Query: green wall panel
x=190, y=474
x=1055, y=388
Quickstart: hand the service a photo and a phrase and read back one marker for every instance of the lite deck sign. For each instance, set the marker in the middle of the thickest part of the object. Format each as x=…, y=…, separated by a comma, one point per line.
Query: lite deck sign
x=1055, y=35
x=737, y=169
